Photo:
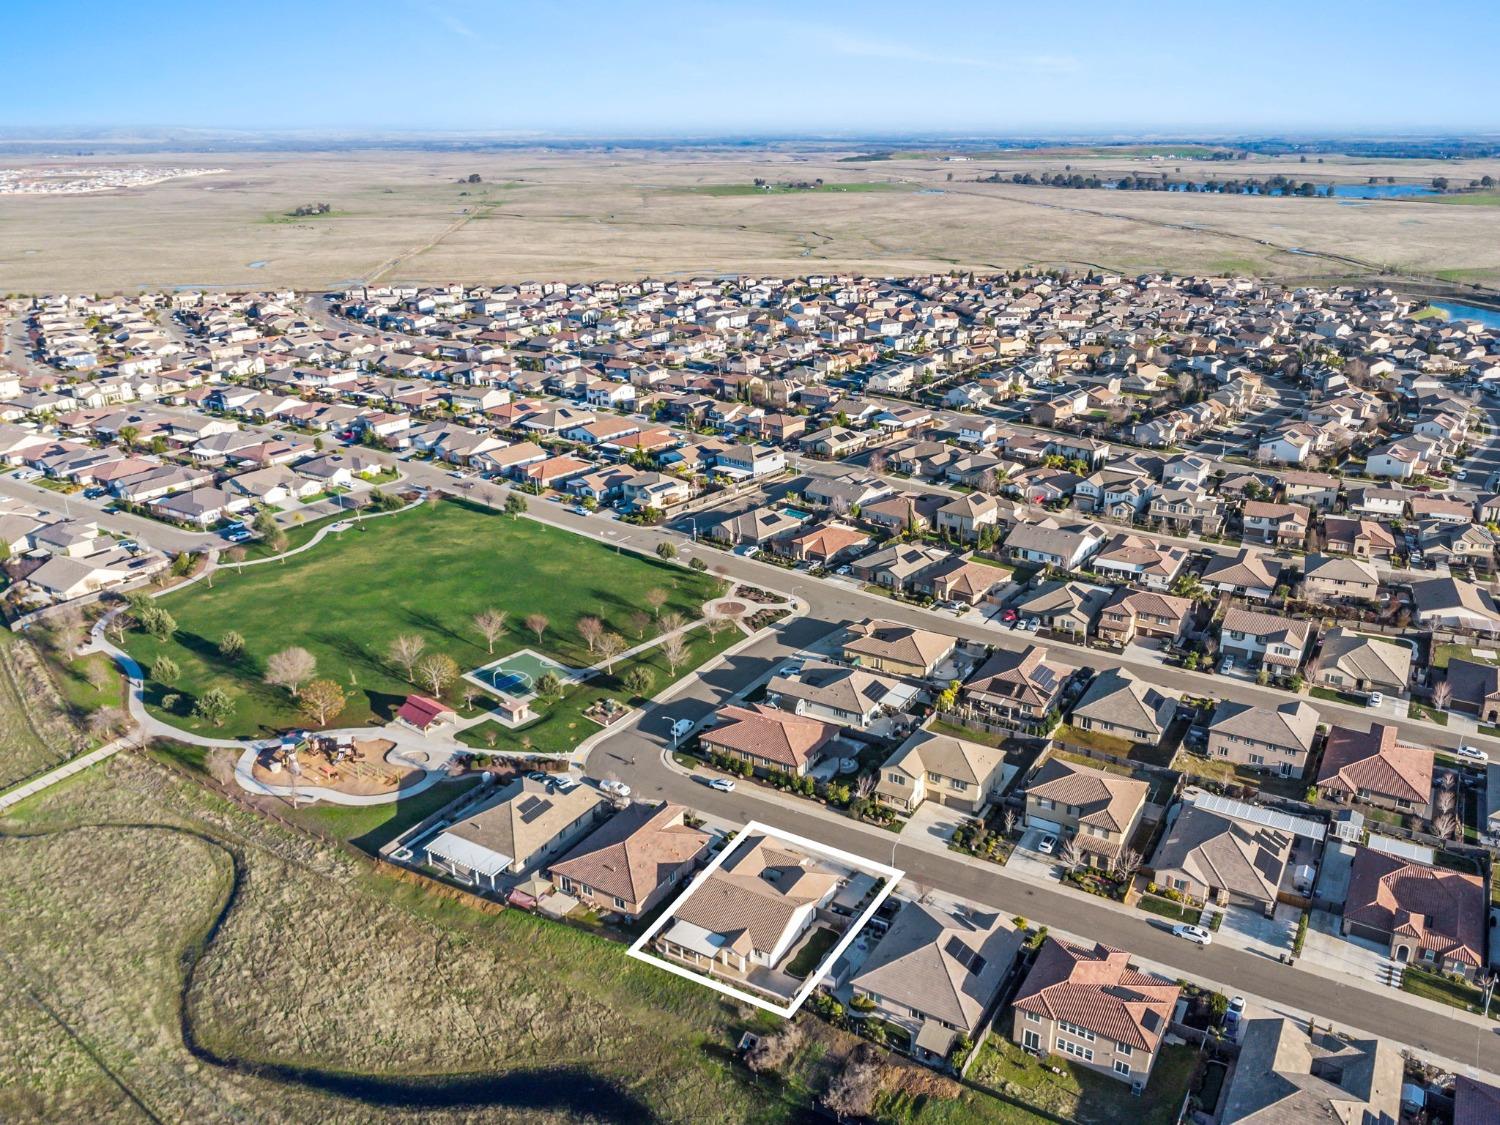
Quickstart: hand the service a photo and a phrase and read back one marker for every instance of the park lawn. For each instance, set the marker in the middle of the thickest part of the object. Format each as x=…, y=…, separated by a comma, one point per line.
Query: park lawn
x=563, y=725
x=296, y=536
x=426, y=571
x=1078, y=1094
x=371, y=827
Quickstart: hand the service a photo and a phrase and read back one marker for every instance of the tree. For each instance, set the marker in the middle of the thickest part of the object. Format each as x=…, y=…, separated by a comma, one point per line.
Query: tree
x=97, y=674
x=129, y=435
x=674, y=650
x=610, y=646
x=590, y=629
x=1126, y=864
x=715, y=623
x=160, y=624
x=671, y=622
x=213, y=706
x=853, y=1091
x=290, y=668
x=666, y=550
x=270, y=531
x=697, y=564
x=1442, y=695
x=1067, y=853
x=231, y=646
x=549, y=685
x=67, y=629
x=490, y=623
x=639, y=621
x=404, y=651
x=164, y=670
x=107, y=722
x=322, y=701
x=515, y=505
x=656, y=598
x=772, y=1052
x=436, y=672
x=537, y=623
x=639, y=681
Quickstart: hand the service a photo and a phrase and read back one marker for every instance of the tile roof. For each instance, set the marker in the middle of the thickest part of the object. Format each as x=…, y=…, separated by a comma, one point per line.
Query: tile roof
x=634, y=852
x=764, y=732
x=1373, y=760
x=1096, y=988
x=1441, y=910
x=1108, y=800
x=756, y=893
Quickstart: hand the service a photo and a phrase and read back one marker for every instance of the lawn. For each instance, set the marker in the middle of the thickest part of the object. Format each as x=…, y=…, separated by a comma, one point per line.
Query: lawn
x=1078, y=1094
x=563, y=725
x=1441, y=654
x=1166, y=908
x=1458, y=993
x=1466, y=199
x=1427, y=714
x=811, y=955
x=426, y=571
x=371, y=827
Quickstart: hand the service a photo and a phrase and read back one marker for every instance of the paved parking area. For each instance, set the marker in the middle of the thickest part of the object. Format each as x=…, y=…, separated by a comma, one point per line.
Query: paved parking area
x=1245, y=928
x=1327, y=949
x=1029, y=863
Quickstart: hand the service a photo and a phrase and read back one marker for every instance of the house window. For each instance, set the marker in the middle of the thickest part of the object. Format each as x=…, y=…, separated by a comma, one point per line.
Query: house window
x=1033, y=1017
x=934, y=777
x=1075, y=1050
x=1122, y=1067
x=1031, y=1041
x=1122, y=1049
x=959, y=786
x=896, y=779
x=619, y=903
x=1073, y=1029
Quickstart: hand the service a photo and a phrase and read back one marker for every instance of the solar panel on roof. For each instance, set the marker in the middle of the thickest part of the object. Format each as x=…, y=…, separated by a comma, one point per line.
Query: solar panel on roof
x=1044, y=677
x=533, y=807
x=965, y=956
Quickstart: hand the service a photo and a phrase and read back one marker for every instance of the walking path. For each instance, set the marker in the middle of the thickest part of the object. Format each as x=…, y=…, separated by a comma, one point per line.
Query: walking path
x=62, y=772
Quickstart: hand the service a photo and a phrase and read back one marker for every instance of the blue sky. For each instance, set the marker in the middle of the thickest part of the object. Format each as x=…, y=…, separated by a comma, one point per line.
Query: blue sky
x=630, y=68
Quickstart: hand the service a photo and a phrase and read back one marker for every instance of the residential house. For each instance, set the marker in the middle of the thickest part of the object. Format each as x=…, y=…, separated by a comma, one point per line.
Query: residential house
x=1134, y=558
x=1211, y=855
x=517, y=831
x=1141, y=613
x=1352, y=661
x=962, y=580
x=824, y=543
x=1454, y=602
x=1474, y=687
x=1248, y=573
x=1118, y=704
x=1288, y=1073
x=1014, y=689
x=1433, y=918
x=631, y=863
x=1187, y=510
x=749, y=912
x=969, y=517
x=1098, y=811
x=1255, y=639
x=1334, y=578
x=767, y=738
x=1375, y=768
x=897, y=649
x=1277, y=739
x=1050, y=543
x=1065, y=608
x=896, y=567
x=936, y=973
x=1093, y=1006
x=1362, y=538
x=1282, y=524
x=955, y=772
x=834, y=693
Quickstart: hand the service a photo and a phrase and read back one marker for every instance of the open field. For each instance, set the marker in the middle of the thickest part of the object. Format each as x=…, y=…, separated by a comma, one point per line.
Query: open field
x=309, y=986
x=627, y=213
x=426, y=571
x=39, y=726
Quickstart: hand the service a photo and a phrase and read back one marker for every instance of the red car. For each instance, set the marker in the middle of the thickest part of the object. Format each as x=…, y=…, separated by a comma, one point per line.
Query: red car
x=1008, y=615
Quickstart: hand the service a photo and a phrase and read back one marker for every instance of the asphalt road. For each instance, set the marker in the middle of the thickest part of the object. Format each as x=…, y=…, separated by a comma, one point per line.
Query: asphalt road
x=635, y=755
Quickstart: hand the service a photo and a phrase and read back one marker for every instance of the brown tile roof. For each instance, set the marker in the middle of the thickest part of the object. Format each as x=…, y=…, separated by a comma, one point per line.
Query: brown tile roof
x=1096, y=988
x=634, y=852
x=1025, y=677
x=1438, y=909
x=755, y=893
x=890, y=640
x=1374, y=760
x=764, y=732
x=1104, y=799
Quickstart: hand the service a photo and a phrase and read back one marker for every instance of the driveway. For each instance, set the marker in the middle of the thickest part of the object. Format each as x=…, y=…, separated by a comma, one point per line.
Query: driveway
x=931, y=826
x=1328, y=950
x=1249, y=929
x=1029, y=863
x=1333, y=876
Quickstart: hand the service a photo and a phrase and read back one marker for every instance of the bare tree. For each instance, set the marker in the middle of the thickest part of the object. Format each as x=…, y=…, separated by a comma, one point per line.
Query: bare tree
x=1445, y=826
x=715, y=623
x=878, y=463
x=640, y=620
x=590, y=629
x=537, y=623
x=490, y=623
x=404, y=651
x=1067, y=853
x=656, y=598
x=107, y=722
x=1008, y=820
x=97, y=672
x=1126, y=864
x=674, y=650
x=290, y=668
x=436, y=672
x=67, y=629
x=1442, y=695
x=610, y=646
x=853, y=1090
x=671, y=622
x=772, y=1052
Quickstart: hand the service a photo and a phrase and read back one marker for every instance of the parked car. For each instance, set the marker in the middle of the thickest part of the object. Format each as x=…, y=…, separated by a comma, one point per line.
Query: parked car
x=722, y=784
x=1032, y=624
x=1234, y=1013
x=615, y=788
x=1375, y=699
x=94, y=493
x=564, y=782
x=1473, y=753
x=1226, y=666
x=1047, y=845
x=1195, y=934
x=538, y=775
x=1008, y=615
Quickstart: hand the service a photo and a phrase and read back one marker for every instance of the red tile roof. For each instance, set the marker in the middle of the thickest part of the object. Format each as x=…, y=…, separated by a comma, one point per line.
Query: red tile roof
x=1095, y=988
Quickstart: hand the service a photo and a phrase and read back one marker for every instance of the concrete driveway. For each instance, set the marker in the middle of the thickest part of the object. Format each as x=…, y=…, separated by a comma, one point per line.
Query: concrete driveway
x=1249, y=929
x=1328, y=950
x=1029, y=863
x=1333, y=876
x=931, y=826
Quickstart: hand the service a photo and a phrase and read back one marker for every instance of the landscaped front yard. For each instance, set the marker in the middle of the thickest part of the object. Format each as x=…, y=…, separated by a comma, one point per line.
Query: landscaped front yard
x=1459, y=993
x=1078, y=1094
x=427, y=571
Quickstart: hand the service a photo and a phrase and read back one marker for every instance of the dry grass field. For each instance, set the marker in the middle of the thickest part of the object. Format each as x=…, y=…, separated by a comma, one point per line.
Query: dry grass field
x=35, y=730
x=578, y=215
x=166, y=955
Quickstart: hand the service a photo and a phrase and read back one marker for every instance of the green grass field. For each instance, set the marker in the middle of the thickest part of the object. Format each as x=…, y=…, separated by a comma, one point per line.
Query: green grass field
x=1078, y=1094
x=1466, y=199
x=426, y=571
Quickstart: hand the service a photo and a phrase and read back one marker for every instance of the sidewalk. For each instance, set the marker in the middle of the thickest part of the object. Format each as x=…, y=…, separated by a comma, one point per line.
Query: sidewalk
x=62, y=772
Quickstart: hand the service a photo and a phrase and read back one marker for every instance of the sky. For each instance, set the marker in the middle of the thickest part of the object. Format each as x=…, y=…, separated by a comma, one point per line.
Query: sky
x=763, y=67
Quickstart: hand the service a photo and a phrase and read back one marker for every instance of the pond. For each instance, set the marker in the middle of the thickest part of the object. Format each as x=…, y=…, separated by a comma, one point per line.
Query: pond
x=1457, y=310
x=1380, y=191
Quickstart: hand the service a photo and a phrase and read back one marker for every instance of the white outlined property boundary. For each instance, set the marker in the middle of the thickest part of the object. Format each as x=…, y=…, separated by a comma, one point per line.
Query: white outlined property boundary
x=891, y=875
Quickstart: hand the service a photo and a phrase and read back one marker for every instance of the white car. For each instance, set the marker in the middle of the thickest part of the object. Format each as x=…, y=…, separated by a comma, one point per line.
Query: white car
x=722, y=784
x=1473, y=753
x=564, y=783
x=1195, y=934
x=1047, y=845
x=614, y=788
x=1375, y=699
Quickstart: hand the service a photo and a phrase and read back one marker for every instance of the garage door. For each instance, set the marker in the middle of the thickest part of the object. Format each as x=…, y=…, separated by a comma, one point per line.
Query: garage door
x=959, y=804
x=1038, y=822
